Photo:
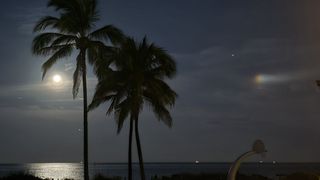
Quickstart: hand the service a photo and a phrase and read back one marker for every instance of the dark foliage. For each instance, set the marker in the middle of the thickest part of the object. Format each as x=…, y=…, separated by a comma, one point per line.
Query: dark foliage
x=100, y=177
x=20, y=176
x=206, y=176
x=301, y=176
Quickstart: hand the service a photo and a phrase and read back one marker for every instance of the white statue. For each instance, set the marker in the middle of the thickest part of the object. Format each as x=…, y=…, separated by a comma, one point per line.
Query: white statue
x=257, y=148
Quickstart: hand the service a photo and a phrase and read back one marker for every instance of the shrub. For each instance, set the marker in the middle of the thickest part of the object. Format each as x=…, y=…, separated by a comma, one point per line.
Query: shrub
x=100, y=177
x=301, y=176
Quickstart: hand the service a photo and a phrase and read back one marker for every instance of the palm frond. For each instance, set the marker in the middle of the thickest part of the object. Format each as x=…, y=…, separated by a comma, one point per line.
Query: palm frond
x=65, y=39
x=98, y=51
x=78, y=16
x=161, y=91
x=77, y=77
x=65, y=7
x=62, y=52
x=101, y=57
x=43, y=40
x=109, y=85
x=50, y=50
x=159, y=108
x=163, y=63
x=91, y=10
x=122, y=111
x=108, y=33
x=96, y=101
x=45, y=22
x=158, y=104
x=162, y=114
x=119, y=95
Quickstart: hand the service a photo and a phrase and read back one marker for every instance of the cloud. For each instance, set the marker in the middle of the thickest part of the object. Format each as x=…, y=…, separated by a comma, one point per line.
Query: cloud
x=43, y=96
x=69, y=67
x=26, y=17
x=218, y=92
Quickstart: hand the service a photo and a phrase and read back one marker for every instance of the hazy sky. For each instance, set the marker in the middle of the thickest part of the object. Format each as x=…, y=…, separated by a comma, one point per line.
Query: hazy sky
x=246, y=70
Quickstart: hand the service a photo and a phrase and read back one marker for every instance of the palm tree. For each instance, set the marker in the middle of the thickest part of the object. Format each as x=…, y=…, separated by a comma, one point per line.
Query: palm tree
x=136, y=77
x=73, y=29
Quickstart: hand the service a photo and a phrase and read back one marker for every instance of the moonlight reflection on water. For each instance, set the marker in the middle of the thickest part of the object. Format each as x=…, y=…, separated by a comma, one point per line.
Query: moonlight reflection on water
x=56, y=170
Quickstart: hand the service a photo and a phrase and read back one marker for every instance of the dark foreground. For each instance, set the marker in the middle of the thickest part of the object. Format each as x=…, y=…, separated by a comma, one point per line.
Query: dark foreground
x=75, y=170
x=295, y=176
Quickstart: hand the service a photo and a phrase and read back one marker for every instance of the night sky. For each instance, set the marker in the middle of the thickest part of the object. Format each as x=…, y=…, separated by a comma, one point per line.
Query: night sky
x=246, y=71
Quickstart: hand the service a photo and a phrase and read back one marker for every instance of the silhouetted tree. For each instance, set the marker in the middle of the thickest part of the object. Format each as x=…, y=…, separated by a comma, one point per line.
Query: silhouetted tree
x=73, y=29
x=136, y=77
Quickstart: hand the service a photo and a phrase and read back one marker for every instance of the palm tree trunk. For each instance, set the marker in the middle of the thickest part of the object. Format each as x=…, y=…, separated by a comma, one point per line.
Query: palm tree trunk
x=85, y=116
x=142, y=174
x=130, y=151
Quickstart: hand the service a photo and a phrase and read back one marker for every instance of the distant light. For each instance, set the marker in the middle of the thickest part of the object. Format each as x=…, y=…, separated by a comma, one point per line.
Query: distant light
x=260, y=162
x=197, y=162
x=233, y=55
x=274, y=78
x=260, y=78
x=271, y=78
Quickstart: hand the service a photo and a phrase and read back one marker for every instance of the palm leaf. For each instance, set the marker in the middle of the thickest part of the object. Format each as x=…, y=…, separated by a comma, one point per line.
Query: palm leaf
x=45, y=22
x=76, y=16
x=161, y=91
x=99, y=51
x=101, y=57
x=77, y=77
x=122, y=111
x=165, y=64
x=162, y=114
x=43, y=40
x=159, y=107
x=64, y=39
x=108, y=33
x=50, y=49
x=96, y=101
x=62, y=52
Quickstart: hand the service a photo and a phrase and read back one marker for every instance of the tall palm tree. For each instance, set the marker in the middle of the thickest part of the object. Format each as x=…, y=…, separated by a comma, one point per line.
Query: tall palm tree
x=73, y=29
x=136, y=77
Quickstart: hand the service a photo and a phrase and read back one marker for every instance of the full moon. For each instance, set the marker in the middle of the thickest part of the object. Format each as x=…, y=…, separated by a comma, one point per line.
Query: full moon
x=57, y=78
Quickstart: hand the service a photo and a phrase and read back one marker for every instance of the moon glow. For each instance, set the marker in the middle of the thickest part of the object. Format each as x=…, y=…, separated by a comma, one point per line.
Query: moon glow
x=268, y=78
x=57, y=78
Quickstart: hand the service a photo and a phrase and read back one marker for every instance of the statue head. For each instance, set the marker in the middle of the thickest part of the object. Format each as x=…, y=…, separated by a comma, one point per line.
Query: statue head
x=258, y=147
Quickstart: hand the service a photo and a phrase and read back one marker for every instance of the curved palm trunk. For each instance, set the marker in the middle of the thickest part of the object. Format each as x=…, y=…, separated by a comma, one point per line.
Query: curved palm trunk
x=85, y=116
x=142, y=174
x=130, y=151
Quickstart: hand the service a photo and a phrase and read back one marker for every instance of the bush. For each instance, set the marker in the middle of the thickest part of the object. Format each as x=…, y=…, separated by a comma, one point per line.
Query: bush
x=23, y=176
x=20, y=176
x=301, y=176
x=252, y=177
x=208, y=177
x=100, y=177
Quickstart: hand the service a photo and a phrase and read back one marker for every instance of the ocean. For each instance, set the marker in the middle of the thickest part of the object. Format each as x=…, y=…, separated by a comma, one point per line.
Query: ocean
x=74, y=170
